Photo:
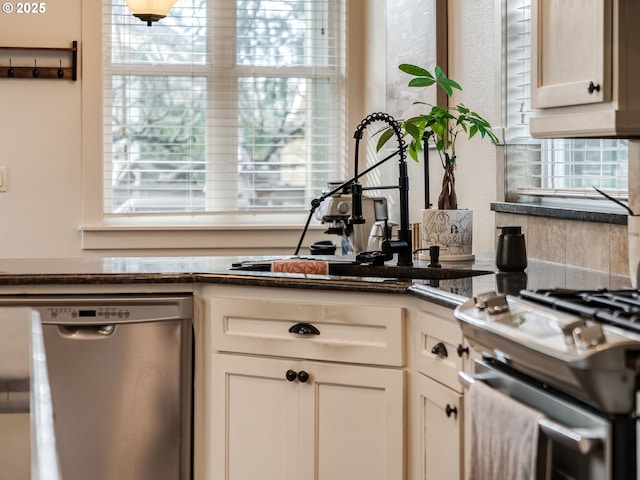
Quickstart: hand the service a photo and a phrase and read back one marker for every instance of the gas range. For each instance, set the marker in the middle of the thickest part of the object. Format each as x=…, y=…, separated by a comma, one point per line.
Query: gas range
x=583, y=343
x=574, y=358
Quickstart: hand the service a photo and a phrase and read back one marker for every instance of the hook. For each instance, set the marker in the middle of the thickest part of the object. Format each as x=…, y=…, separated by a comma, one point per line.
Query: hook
x=60, y=71
x=11, y=72
x=36, y=72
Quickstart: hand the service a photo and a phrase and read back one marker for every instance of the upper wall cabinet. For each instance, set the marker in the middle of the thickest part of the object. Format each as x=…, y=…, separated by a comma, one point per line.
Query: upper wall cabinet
x=585, y=67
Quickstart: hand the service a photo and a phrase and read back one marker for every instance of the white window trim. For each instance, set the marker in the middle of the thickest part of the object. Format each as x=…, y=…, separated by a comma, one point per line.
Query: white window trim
x=236, y=232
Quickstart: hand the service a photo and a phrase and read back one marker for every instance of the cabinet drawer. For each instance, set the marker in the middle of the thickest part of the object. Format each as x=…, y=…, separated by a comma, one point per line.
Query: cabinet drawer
x=347, y=333
x=436, y=353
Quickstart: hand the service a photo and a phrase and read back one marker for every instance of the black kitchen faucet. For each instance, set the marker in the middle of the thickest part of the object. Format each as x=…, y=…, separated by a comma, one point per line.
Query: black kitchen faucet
x=401, y=245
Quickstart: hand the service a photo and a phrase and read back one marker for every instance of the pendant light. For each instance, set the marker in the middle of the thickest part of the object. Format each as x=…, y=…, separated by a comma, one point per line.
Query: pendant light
x=150, y=10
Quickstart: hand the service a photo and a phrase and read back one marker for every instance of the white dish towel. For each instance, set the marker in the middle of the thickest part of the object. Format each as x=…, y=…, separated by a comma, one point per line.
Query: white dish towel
x=503, y=434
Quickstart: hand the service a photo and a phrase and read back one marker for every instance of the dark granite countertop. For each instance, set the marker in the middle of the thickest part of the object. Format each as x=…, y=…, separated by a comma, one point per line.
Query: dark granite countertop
x=212, y=270
x=172, y=270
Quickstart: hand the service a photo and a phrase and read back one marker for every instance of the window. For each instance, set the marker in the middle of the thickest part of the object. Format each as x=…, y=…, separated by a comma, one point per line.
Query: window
x=224, y=106
x=549, y=169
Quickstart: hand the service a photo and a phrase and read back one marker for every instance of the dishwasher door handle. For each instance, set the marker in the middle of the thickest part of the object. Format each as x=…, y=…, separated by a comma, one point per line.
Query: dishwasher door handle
x=82, y=332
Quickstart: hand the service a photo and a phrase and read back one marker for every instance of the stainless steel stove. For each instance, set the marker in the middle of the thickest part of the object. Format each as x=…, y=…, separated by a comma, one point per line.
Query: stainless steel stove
x=582, y=347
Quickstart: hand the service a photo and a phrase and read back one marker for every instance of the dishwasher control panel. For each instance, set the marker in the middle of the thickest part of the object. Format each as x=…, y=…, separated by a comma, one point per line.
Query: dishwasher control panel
x=64, y=314
x=105, y=309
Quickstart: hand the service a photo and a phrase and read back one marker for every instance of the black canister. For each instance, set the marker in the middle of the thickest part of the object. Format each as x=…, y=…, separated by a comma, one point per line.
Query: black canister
x=511, y=252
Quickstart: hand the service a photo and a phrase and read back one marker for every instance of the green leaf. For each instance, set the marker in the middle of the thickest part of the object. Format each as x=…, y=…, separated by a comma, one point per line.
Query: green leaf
x=413, y=130
x=445, y=82
x=421, y=82
x=454, y=84
x=439, y=73
x=415, y=70
x=412, y=151
x=419, y=120
x=384, y=138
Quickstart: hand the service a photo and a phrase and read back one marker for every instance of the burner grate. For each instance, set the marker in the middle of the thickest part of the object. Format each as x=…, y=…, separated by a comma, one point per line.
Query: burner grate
x=620, y=308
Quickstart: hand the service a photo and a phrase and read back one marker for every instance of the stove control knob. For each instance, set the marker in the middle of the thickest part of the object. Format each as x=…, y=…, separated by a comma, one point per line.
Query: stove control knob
x=588, y=336
x=492, y=302
x=567, y=330
x=497, y=304
x=481, y=299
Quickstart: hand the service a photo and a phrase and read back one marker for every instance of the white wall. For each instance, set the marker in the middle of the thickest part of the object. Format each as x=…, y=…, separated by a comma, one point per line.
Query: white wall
x=472, y=63
x=40, y=139
x=41, y=128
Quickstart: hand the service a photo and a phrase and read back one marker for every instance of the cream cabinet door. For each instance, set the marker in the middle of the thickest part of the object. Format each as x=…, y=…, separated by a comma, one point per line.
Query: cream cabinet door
x=353, y=417
x=280, y=419
x=254, y=419
x=571, y=52
x=438, y=417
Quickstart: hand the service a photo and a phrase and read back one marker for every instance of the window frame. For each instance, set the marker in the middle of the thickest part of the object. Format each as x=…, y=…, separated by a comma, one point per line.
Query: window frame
x=191, y=231
x=516, y=141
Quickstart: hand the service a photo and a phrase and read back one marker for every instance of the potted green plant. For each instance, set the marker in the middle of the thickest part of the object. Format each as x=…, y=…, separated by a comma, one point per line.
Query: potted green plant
x=451, y=228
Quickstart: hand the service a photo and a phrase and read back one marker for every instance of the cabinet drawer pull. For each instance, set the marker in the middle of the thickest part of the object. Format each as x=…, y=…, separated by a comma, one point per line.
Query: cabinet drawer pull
x=462, y=350
x=440, y=350
x=303, y=376
x=449, y=410
x=593, y=87
x=304, y=329
x=291, y=375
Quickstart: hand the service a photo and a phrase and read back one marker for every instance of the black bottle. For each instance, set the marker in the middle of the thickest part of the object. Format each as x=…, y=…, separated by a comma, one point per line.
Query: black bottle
x=511, y=252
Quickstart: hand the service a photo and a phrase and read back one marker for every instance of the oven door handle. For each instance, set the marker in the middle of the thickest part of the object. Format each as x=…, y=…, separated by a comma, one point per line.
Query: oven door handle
x=584, y=440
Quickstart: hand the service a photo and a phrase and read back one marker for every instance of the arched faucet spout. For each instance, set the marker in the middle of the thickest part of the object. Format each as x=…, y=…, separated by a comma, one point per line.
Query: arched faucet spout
x=402, y=246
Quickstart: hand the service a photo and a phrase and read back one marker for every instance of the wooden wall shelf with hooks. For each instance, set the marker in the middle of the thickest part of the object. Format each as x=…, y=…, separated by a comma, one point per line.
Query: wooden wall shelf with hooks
x=35, y=71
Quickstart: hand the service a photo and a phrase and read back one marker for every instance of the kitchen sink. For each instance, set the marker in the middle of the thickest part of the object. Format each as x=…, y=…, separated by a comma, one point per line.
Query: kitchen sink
x=354, y=269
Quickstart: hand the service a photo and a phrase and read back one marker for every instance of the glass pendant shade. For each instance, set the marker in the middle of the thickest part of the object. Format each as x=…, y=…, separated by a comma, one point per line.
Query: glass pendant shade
x=150, y=10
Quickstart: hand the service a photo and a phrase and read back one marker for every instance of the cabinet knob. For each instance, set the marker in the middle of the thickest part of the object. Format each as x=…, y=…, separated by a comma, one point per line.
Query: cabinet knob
x=462, y=350
x=304, y=329
x=449, y=410
x=593, y=87
x=440, y=350
x=302, y=376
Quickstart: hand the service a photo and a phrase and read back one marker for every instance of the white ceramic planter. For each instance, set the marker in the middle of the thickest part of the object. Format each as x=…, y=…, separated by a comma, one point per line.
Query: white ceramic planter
x=451, y=230
x=633, y=232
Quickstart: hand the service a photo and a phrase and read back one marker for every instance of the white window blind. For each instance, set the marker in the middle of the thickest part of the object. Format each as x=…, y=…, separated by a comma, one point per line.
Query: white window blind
x=222, y=106
x=561, y=168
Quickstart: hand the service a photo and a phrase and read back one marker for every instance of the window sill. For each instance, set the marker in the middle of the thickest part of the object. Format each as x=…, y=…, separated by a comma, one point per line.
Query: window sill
x=582, y=215
x=221, y=238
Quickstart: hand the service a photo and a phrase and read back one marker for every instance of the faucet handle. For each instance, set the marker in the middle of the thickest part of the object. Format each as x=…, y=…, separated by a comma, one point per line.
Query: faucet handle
x=434, y=256
x=356, y=204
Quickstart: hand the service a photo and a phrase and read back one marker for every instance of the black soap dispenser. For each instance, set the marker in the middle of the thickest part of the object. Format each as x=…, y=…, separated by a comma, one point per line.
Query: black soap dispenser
x=511, y=252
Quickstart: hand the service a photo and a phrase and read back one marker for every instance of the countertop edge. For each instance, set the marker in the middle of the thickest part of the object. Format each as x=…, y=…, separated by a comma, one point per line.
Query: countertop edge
x=298, y=281
x=439, y=297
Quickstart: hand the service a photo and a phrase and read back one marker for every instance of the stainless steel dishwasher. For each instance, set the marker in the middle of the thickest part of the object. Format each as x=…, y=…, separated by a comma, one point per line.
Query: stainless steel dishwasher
x=120, y=370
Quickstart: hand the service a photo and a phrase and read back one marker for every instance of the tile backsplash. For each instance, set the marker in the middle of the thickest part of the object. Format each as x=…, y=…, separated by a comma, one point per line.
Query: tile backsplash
x=596, y=246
